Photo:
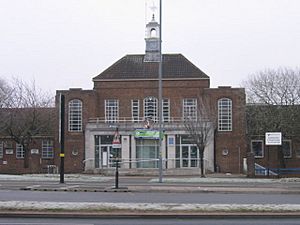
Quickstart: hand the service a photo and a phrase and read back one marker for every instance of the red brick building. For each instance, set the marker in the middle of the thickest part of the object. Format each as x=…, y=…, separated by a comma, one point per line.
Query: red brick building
x=125, y=100
x=27, y=140
x=118, y=118
x=281, y=125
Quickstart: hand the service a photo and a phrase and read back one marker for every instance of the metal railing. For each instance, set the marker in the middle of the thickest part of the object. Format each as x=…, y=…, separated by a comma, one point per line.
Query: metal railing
x=133, y=120
x=286, y=171
x=152, y=163
x=262, y=171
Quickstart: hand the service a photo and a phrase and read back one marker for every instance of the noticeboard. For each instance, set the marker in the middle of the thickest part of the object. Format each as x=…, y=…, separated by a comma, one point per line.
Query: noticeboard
x=273, y=138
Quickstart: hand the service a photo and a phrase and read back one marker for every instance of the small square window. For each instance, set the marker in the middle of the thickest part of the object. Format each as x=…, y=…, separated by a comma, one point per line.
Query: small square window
x=47, y=149
x=171, y=141
x=287, y=148
x=257, y=148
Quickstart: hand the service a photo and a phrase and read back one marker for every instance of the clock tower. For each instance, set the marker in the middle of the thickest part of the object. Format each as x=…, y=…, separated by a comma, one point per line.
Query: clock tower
x=152, y=41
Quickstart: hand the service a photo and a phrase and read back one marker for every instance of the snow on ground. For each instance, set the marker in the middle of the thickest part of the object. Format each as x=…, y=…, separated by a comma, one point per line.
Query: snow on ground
x=53, y=177
x=99, y=178
x=225, y=180
x=85, y=206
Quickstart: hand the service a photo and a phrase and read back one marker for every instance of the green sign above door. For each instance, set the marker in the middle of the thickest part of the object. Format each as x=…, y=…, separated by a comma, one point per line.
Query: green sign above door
x=146, y=134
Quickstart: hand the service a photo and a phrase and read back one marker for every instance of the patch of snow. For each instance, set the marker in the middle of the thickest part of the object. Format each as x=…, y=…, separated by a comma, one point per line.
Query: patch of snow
x=86, y=206
x=53, y=177
x=98, y=178
x=290, y=180
x=225, y=180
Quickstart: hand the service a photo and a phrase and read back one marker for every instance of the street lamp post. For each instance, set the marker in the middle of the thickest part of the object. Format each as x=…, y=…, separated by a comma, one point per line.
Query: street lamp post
x=160, y=94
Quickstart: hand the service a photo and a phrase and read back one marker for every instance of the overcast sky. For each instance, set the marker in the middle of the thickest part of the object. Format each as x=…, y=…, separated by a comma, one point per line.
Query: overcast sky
x=65, y=43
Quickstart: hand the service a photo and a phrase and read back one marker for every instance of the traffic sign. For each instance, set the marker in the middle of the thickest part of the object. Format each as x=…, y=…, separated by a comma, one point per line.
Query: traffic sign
x=116, y=140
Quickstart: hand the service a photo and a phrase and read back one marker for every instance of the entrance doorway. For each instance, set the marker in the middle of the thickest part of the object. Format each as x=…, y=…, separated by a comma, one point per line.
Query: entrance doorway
x=105, y=154
x=147, y=153
x=187, y=156
x=108, y=155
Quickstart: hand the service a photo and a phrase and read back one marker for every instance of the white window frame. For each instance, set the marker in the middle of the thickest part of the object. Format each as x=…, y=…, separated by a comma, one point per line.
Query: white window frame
x=47, y=149
x=75, y=115
x=225, y=114
x=151, y=109
x=135, y=110
x=111, y=110
x=166, y=110
x=290, y=150
x=189, y=109
x=20, y=153
x=262, y=150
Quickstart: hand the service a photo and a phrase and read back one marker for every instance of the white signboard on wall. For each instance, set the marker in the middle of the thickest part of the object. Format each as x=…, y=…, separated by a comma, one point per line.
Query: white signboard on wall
x=273, y=138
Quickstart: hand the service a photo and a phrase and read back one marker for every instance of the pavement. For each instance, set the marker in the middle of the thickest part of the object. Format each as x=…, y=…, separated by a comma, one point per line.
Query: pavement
x=216, y=183
x=167, y=188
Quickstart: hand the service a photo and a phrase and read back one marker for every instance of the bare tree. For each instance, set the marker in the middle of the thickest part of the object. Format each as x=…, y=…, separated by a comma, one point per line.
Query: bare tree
x=274, y=98
x=27, y=114
x=5, y=93
x=274, y=87
x=201, y=127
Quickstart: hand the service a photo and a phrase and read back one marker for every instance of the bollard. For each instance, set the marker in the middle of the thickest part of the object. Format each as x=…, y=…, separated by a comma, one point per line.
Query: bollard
x=117, y=174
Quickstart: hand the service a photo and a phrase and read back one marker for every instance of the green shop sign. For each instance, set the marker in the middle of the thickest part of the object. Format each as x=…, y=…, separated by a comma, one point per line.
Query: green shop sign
x=146, y=134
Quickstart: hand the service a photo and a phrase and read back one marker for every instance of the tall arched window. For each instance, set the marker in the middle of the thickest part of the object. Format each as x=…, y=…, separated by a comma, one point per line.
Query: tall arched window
x=224, y=114
x=75, y=115
x=150, y=108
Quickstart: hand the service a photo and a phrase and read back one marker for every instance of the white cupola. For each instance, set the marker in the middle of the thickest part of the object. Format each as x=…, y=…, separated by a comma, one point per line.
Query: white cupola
x=152, y=41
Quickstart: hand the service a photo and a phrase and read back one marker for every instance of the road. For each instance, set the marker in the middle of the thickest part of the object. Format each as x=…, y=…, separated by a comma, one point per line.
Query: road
x=10, y=191
x=200, y=198
x=149, y=221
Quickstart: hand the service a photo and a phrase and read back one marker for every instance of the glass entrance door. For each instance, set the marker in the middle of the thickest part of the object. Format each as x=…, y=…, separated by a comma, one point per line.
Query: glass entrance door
x=185, y=156
x=114, y=153
x=104, y=156
x=108, y=155
x=147, y=153
x=188, y=156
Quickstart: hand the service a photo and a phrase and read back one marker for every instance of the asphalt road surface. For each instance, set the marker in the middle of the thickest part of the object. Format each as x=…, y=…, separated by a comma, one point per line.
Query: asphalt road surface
x=136, y=197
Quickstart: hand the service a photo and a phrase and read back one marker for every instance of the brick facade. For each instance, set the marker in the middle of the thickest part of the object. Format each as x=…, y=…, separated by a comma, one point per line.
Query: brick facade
x=11, y=164
x=80, y=145
x=175, y=90
x=234, y=141
x=99, y=113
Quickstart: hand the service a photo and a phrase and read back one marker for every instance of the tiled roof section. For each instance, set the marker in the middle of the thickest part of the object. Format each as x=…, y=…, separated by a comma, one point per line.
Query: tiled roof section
x=134, y=67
